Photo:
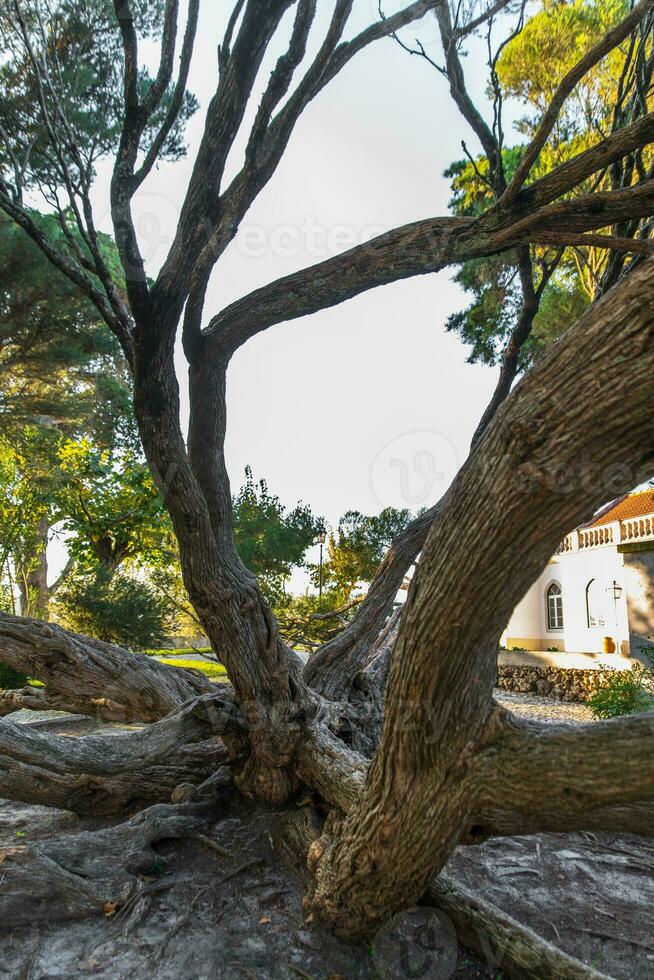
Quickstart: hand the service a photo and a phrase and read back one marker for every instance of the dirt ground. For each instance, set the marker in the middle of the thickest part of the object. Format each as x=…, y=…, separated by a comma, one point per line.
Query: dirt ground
x=233, y=910
x=209, y=915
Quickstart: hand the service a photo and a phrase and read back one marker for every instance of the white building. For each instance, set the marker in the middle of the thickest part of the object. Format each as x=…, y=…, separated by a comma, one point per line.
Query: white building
x=597, y=591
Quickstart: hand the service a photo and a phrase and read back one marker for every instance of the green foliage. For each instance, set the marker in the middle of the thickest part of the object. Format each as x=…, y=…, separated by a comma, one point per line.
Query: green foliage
x=493, y=283
x=306, y=621
x=529, y=70
x=550, y=44
x=112, y=508
x=122, y=610
x=79, y=42
x=63, y=378
x=60, y=368
x=626, y=691
x=354, y=552
x=270, y=539
x=178, y=653
x=24, y=501
x=357, y=548
x=11, y=679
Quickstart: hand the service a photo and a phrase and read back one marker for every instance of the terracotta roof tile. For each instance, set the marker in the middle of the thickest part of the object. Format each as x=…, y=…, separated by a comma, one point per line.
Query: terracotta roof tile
x=631, y=505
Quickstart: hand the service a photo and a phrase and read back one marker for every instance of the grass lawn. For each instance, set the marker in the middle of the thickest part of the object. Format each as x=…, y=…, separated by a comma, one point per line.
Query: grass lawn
x=178, y=653
x=215, y=672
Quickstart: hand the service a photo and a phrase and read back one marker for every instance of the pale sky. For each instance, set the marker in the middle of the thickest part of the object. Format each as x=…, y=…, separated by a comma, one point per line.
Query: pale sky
x=369, y=403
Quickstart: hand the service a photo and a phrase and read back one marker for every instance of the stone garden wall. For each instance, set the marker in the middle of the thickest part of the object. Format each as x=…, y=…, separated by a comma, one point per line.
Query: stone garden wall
x=565, y=684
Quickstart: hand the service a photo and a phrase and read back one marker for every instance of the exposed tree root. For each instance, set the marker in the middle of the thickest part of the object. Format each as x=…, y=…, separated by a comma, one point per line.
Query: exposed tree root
x=480, y=925
x=94, y=678
x=107, y=774
x=78, y=875
x=500, y=939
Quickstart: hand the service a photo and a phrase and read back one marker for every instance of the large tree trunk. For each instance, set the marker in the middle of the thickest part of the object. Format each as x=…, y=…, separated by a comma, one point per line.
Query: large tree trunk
x=33, y=578
x=545, y=463
x=451, y=766
x=224, y=594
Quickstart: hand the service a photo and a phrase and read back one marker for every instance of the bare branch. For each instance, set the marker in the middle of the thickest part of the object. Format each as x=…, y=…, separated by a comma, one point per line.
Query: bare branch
x=178, y=96
x=519, y=335
x=164, y=73
x=121, y=326
x=635, y=246
x=570, y=174
x=125, y=18
x=483, y=18
x=459, y=93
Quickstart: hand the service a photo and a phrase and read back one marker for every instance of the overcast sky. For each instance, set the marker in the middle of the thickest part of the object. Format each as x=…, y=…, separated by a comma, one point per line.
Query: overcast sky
x=372, y=402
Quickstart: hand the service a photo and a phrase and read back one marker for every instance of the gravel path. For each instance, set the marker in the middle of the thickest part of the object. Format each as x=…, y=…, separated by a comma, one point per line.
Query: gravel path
x=544, y=709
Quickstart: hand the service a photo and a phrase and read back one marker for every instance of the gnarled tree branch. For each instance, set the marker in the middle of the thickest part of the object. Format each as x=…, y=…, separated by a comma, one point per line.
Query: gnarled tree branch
x=95, y=678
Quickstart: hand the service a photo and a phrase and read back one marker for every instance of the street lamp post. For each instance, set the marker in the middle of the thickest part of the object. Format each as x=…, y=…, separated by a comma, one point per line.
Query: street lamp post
x=321, y=537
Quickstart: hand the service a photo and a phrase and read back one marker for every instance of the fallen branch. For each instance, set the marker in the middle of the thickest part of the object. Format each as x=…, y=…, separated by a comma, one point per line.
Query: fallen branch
x=107, y=774
x=512, y=947
x=92, y=677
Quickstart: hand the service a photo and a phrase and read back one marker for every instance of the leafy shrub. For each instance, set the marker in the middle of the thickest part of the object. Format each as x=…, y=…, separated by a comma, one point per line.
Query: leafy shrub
x=626, y=692
x=10, y=678
x=122, y=610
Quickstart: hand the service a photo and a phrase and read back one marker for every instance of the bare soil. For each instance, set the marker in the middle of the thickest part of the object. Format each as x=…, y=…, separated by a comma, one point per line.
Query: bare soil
x=209, y=914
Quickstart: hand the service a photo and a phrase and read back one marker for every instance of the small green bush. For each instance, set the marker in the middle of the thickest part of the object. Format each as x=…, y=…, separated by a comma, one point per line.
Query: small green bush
x=626, y=692
x=10, y=678
x=122, y=610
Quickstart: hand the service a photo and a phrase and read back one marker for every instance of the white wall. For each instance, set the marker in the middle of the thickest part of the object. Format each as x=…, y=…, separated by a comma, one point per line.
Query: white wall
x=573, y=571
x=529, y=619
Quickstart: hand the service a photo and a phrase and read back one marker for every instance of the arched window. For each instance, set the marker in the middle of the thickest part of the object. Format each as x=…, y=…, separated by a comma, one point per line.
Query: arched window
x=554, y=598
x=594, y=604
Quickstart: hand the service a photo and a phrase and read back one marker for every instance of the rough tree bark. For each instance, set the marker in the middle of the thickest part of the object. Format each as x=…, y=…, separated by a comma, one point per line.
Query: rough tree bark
x=547, y=459
x=109, y=774
x=33, y=579
x=450, y=767
x=89, y=676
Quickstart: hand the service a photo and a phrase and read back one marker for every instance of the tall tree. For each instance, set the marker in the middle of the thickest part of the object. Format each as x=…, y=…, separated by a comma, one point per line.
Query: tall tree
x=358, y=545
x=451, y=766
x=62, y=377
x=270, y=539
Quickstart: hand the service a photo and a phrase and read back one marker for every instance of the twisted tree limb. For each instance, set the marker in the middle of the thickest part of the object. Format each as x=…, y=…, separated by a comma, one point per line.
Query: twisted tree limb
x=543, y=465
x=107, y=774
x=537, y=777
x=92, y=677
